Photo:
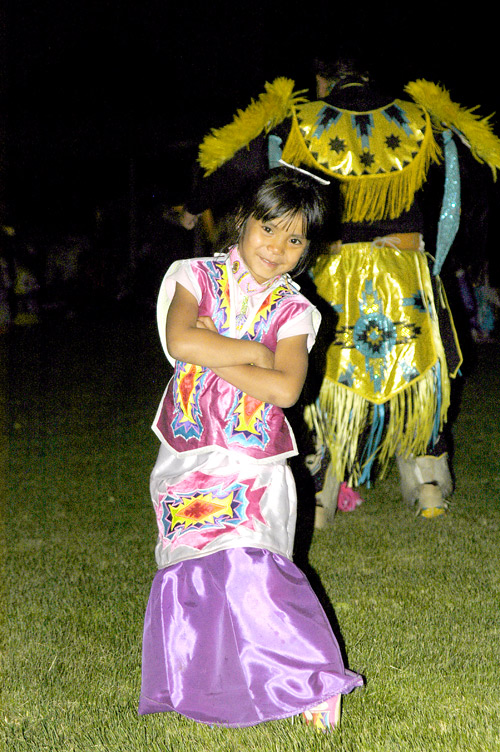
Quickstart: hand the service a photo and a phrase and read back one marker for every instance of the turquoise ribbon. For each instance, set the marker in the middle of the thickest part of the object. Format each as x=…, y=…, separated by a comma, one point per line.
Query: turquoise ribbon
x=274, y=151
x=449, y=218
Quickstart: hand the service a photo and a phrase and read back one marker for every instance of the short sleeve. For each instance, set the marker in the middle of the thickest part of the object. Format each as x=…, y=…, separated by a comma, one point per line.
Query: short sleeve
x=181, y=272
x=306, y=322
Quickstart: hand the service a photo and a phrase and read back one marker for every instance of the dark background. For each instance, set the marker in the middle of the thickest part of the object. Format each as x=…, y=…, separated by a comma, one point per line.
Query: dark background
x=102, y=95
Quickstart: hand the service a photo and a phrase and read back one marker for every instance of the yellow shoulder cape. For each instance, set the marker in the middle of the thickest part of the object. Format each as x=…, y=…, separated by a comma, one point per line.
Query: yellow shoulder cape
x=369, y=194
x=381, y=157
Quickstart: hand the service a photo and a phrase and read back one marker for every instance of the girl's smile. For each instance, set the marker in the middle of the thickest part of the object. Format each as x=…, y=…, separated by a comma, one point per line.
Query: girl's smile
x=274, y=247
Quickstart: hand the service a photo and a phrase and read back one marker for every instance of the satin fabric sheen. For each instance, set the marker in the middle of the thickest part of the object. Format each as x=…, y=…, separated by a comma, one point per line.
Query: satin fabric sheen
x=387, y=335
x=209, y=502
x=233, y=633
x=356, y=144
x=238, y=638
x=200, y=411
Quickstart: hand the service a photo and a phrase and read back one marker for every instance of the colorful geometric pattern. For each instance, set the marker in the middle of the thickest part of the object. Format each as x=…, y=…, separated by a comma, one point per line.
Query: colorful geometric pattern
x=195, y=512
x=218, y=278
x=353, y=144
x=247, y=422
x=247, y=419
x=262, y=319
x=187, y=415
x=375, y=336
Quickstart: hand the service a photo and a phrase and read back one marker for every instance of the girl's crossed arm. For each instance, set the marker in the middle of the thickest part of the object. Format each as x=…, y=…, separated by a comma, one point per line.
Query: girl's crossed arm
x=280, y=385
x=204, y=346
x=250, y=366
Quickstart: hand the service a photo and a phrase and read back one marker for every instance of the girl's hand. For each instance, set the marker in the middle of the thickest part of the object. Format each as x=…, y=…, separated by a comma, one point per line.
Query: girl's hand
x=265, y=358
x=279, y=379
x=205, y=322
x=188, y=220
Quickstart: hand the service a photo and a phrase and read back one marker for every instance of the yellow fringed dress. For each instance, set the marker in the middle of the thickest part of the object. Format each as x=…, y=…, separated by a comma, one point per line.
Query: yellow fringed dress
x=386, y=387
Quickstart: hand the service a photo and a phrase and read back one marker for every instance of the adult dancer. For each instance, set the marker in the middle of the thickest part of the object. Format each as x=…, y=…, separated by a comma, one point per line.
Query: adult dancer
x=386, y=387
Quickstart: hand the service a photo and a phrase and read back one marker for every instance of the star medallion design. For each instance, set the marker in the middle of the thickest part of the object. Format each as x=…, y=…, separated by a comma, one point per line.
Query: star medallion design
x=393, y=142
x=337, y=144
x=374, y=335
x=367, y=159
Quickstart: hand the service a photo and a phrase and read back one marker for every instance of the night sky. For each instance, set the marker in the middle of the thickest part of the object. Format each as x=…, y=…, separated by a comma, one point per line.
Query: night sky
x=94, y=84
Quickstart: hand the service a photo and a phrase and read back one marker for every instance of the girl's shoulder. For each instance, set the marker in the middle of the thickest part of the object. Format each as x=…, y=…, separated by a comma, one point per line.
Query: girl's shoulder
x=295, y=314
x=287, y=289
x=195, y=272
x=198, y=262
x=196, y=275
x=206, y=265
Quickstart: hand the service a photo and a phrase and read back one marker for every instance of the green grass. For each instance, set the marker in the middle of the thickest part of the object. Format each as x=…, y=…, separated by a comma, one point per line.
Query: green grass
x=417, y=601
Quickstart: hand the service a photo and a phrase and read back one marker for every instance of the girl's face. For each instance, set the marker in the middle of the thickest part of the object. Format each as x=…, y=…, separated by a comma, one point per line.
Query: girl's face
x=270, y=248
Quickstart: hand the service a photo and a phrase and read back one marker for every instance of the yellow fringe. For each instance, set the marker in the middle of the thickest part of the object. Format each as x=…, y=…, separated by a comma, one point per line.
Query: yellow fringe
x=372, y=197
x=478, y=131
x=271, y=108
x=341, y=417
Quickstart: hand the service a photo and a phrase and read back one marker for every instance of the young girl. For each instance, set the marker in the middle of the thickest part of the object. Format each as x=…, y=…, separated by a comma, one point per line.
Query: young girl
x=234, y=634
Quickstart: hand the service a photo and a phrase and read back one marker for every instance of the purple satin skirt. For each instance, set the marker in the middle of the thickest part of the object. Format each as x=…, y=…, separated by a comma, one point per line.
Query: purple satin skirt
x=237, y=638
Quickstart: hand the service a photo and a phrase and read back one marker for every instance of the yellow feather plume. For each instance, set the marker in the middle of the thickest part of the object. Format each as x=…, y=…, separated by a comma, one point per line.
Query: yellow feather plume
x=271, y=108
x=477, y=131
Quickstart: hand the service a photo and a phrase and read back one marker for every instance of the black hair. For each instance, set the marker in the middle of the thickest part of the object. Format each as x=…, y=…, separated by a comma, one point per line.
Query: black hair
x=341, y=70
x=284, y=194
